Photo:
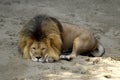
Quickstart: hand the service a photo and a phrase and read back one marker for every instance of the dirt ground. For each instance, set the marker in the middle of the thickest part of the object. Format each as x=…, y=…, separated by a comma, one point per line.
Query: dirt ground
x=102, y=16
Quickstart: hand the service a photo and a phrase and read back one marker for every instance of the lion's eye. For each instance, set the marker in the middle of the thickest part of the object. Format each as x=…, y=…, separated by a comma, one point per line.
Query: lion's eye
x=34, y=48
x=43, y=49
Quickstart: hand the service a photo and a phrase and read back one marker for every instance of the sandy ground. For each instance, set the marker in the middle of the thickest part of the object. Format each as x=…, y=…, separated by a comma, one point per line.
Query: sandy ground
x=102, y=16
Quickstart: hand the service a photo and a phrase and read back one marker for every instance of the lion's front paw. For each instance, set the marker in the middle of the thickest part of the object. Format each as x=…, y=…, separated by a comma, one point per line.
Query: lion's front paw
x=49, y=60
x=65, y=57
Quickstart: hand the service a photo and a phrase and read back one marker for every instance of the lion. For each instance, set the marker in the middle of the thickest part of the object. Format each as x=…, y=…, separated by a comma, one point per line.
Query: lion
x=76, y=39
x=45, y=39
x=39, y=28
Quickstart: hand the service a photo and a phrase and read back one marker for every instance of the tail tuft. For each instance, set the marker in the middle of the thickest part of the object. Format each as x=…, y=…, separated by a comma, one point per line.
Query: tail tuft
x=100, y=50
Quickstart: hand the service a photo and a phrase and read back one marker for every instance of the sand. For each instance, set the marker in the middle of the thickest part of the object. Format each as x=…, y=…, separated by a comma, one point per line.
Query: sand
x=102, y=16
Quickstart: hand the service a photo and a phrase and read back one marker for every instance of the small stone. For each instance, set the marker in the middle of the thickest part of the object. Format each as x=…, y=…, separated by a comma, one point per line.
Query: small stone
x=96, y=61
x=1, y=20
x=23, y=79
x=107, y=76
x=87, y=59
x=64, y=68
x=83, y=72
x=116, y=33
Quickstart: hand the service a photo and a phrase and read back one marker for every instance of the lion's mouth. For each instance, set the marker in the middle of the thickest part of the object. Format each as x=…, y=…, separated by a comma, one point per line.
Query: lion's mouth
x=36, y=59
x=45, y=59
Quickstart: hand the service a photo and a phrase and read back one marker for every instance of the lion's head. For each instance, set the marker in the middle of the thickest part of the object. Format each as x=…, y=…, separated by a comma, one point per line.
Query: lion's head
x=38, y=51
x=41, y=51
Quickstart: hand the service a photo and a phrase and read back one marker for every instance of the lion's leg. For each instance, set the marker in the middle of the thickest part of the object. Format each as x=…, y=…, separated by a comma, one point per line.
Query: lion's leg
x=77, y=46
x=55, y=46
x=55, y=41
x=52, y=54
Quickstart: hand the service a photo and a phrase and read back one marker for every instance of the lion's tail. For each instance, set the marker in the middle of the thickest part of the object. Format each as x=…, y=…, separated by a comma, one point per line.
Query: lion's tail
x=99, y=51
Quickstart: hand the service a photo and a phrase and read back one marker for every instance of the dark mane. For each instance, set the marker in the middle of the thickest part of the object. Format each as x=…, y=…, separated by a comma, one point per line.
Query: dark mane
x=59, y=26
x=33, y=27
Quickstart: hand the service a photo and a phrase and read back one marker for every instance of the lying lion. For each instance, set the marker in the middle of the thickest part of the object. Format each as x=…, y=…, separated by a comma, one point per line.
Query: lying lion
x=44, y=38
x=75, y=38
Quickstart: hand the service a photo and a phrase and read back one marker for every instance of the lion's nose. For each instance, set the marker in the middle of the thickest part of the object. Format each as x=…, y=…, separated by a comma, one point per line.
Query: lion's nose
x=38, y=57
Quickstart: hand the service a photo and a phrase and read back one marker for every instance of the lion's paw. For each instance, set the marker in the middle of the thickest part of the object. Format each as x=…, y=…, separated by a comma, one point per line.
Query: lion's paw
x=65, y=57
